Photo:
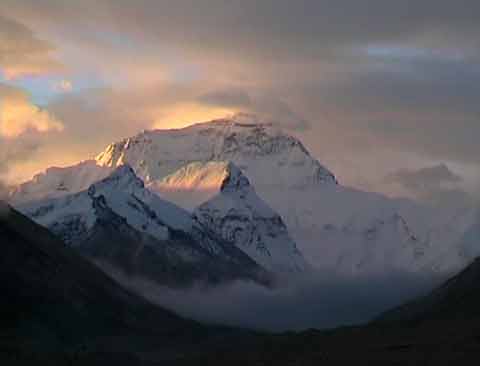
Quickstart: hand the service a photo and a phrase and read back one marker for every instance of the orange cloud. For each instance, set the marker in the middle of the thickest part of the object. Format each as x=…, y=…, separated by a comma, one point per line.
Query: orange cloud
x=18, y=114
x=184, y=114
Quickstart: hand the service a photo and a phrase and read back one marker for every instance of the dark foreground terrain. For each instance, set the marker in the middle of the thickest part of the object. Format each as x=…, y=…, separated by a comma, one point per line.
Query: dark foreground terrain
x=58, y=309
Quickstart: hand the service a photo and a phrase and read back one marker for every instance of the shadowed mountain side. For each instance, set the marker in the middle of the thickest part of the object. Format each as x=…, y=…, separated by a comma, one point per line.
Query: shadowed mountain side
x=442, y=328
x=56, y=305
x=115, y=245
x=61, y=310
x=458, y=299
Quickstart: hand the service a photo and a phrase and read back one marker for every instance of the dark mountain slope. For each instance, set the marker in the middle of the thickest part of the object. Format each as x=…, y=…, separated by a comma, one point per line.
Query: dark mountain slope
x=441, y=329
x=456, y=299
x=53, y=302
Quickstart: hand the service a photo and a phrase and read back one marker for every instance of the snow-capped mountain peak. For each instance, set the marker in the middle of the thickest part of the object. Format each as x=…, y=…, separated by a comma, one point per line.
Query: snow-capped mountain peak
x=239, y=216
x=236, y=158
x=124, y=193
x=257, y=148
x=57, y=182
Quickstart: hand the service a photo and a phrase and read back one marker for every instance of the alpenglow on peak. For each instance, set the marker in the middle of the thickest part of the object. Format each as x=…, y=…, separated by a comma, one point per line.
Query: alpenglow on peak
x=266, y=154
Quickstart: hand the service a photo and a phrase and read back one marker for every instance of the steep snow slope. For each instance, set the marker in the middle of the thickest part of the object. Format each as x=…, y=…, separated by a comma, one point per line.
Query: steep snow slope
x=121, y=222
x=467, y=245
x=125, y=194
x=192, y=184
x=241, y=217
x=384, y=244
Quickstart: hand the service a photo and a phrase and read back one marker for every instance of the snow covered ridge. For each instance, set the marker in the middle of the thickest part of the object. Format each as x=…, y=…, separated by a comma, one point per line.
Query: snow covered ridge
x=190, y=158
x=125, y=194
x=57, y=182
x=239, y=216
x=118, y=221
x=258, y=149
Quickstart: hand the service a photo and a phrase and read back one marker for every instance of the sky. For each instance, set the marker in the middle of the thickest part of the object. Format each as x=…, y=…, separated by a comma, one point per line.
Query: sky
x=385, y=93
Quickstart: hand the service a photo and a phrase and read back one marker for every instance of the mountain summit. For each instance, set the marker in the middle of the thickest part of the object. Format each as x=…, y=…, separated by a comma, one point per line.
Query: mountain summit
x=258, y=149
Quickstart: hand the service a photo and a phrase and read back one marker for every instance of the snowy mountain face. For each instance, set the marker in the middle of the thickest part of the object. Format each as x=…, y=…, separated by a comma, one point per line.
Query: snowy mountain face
x=58, y=182
x=383, y=245
x=465, y=229
x=239, y=216
x=259, y=150
x=188, y=166
x=192, y=184
x=119, y=222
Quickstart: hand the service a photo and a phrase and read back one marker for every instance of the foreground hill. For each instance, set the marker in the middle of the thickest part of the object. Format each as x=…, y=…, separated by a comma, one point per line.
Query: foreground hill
x=57, y=307
x=440, y=329
x=456, y=299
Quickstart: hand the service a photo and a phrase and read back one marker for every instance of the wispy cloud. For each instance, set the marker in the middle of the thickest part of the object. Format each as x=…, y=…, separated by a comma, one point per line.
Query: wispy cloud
x=22, y=53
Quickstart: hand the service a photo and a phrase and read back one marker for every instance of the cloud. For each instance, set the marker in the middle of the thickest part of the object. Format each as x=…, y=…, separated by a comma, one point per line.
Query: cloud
x=18, y=114
x=22, y=53
x=266, y=108
x=320, y=300
x=311, y=28
x=63, y=86
x=428, y=104
x=24, y=129
x=436, y=176
x=14, y=151
x=363, y=84
x=435, y=184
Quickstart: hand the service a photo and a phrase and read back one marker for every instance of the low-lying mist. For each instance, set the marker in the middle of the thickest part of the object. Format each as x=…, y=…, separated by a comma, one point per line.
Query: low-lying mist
x=317, y=300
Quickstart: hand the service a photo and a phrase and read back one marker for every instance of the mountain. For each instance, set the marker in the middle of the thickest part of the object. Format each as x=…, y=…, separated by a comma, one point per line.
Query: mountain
x=259, y=150
x=57, y=300
x=457, y=299
x=119, y=223
x=63, y=310
x=192, y=184
x=239, y=216
x=457, y=241
x=187, y=167
x=57, y=182
x=384, y=245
